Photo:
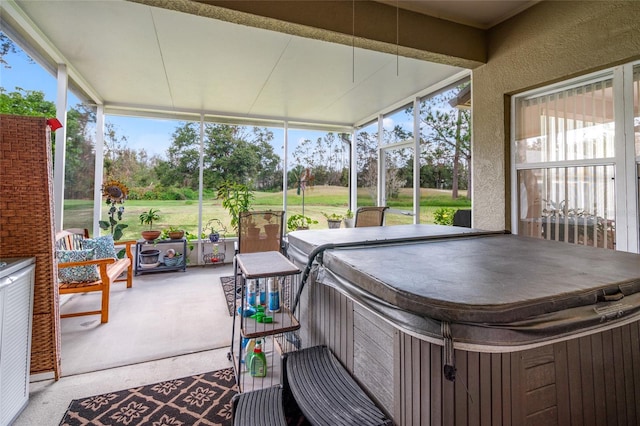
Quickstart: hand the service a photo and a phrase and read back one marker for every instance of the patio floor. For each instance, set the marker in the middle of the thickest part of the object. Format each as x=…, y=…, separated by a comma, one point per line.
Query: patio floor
x=170, y=324
x=164, y=314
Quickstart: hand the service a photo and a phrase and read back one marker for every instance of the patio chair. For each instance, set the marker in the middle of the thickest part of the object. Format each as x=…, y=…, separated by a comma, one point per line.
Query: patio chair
x=260, y=231
x=370, y=216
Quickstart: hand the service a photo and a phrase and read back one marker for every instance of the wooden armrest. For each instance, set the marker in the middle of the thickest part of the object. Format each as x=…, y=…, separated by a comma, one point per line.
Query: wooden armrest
x=127, y=248
x=97, y=262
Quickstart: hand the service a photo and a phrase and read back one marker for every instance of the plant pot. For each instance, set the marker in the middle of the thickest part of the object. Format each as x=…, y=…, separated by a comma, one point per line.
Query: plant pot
x=271, y=229
x=173, y=261
x=349, y=222
x=253, y=232
x=149, y=257
x=176, y=235
x=334, y=224
x=150, y=235
x=214, y=237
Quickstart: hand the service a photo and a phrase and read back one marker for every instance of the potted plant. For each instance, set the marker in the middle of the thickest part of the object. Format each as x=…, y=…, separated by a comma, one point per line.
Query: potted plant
x=299, y=221
x=147, y=218
x=333, y=220
x=213, y=228
x=173, y=233
x=172, y=258
x=349, y=219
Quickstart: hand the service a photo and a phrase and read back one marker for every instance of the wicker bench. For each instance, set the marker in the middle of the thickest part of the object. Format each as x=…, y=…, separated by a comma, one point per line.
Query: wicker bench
x=109, y=270
x=325, y=391
x=263, y=407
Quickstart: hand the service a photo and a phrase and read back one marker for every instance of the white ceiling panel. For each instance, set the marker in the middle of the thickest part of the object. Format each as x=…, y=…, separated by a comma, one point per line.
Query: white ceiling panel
x=141, y=58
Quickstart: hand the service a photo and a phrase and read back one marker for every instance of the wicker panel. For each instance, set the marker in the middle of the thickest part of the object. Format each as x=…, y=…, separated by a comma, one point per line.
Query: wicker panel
x=27, y=226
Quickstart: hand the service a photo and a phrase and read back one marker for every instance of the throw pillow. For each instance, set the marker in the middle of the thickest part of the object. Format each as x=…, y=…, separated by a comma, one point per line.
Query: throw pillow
x=77, y=274
x=104, y=246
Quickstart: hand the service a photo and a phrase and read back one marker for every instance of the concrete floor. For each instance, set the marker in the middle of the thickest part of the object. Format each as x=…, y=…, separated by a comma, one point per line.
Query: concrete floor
x=169, y=325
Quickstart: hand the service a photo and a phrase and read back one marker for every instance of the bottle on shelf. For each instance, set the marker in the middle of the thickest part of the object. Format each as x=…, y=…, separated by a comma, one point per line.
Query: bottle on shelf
x=251, y=292
x=263, y=291
x=274, y=294
x=249, y=346
x=258, y=361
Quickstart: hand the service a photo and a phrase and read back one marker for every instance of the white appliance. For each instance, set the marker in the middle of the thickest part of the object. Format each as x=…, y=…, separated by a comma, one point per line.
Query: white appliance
x=16, y=308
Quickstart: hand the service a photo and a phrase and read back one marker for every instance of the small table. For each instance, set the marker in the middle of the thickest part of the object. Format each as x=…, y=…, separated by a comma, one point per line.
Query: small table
x=161, y=266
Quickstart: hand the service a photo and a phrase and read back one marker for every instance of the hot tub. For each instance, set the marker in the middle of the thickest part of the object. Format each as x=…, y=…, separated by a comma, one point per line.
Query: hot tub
x=444, y=324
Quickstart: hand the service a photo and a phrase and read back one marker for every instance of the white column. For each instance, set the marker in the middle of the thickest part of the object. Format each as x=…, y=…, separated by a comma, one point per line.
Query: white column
x=353, y=172
x=98, y=168
x=285, y=166
x=382, y=197
x=60, y=147
x=200, y=187
x=416, y=160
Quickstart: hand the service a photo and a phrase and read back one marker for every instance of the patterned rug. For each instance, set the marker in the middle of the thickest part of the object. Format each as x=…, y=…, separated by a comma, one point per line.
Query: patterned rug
x=227, y=287
x=203, y=399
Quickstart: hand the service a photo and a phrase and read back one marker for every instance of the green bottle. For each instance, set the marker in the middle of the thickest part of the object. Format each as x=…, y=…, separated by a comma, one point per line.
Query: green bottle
x=258, y=362
x=247, y=359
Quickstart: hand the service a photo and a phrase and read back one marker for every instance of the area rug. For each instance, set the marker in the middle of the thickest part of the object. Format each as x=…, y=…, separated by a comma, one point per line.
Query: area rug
x=229, y=294
x=203, y=399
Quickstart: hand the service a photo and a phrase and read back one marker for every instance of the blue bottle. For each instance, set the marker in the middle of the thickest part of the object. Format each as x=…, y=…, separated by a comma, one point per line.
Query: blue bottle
x=274, y=295
x=251, y=292
x=263, y=291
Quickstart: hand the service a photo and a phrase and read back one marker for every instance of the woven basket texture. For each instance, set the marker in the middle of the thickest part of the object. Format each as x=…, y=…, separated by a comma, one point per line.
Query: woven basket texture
x=27, y=226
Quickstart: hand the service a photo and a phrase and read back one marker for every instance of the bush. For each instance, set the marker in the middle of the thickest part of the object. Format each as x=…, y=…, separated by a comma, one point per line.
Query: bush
x=444, y=216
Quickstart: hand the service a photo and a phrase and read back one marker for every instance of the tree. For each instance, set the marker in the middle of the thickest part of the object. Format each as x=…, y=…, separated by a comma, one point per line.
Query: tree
x=6, y=47
x=231, y=153
x=26, y=102
x=447, y=130
x=325, y=157
x=80, y=154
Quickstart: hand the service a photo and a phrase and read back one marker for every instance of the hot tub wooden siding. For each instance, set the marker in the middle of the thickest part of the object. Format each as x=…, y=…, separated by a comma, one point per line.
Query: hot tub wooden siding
x=590, y=380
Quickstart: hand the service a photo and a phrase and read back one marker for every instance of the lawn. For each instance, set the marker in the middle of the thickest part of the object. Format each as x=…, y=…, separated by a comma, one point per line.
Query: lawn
x=317, y=200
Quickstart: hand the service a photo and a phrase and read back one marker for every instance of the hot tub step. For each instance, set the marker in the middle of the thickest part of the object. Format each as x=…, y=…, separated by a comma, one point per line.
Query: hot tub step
x=261, y=407
x=325, y=391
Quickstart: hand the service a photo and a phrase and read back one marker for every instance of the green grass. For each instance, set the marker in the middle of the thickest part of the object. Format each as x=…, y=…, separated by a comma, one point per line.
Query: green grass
x=318, y=199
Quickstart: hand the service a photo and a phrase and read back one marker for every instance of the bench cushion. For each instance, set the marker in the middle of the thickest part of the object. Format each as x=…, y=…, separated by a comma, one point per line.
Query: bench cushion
x=103, y=246
x=77, y=274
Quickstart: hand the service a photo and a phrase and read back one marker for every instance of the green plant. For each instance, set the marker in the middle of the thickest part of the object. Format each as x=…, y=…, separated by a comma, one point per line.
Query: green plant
x=348, y=214
x=236, y=198
x=332, y=216
x=116, y=193
x=297, y=221
x=147, y=218
x=165, y=232
x=444, y=216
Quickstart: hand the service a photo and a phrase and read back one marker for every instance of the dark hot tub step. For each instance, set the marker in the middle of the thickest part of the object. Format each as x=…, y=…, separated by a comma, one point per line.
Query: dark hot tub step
x=325, y=391
x=261, y=407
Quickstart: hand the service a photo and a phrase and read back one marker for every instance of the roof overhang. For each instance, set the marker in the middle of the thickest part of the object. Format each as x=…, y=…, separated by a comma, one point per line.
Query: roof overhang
x=315, y=63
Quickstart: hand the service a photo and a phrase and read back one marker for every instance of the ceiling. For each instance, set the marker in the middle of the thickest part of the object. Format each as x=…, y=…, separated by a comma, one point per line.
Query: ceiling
x=476, y=13
x=138, y=59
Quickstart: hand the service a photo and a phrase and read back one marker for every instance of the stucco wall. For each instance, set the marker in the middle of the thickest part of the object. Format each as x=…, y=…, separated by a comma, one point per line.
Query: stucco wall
x=550, y=42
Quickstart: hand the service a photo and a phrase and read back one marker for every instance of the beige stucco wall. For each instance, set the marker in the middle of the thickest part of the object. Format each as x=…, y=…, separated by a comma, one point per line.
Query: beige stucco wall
x=550, y=42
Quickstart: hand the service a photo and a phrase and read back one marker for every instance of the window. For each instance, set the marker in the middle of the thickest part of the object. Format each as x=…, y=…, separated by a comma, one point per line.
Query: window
x=570, y=179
